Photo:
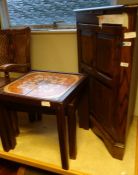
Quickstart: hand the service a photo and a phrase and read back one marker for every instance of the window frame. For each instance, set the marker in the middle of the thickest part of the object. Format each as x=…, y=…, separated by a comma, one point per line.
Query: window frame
x=57, y=25
x=5, y=19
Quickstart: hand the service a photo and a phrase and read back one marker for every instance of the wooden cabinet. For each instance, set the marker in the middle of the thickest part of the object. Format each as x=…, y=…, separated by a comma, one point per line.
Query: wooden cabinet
x=105, y=52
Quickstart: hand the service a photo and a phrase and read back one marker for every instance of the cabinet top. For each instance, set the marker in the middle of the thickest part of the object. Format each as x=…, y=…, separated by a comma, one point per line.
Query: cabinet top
x=115, y=7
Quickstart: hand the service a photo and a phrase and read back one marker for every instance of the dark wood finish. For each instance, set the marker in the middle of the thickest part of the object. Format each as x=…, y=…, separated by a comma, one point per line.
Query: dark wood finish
x=72, y=129
x=9, y=168
x=7, y=132
x=15, y=55
x=47, y=92
x=83, y=110
x=101, y=54
x=14, y=51
x=13, y=168
x=62, y=135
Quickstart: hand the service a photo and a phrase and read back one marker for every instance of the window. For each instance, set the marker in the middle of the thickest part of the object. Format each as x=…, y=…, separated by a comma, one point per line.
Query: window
x=48, y=13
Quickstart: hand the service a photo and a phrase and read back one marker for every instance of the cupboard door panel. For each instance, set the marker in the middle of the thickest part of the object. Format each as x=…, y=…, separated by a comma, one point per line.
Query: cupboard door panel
x=108, y=58
x=87, y=44
x=88, y=48
x=102, y=104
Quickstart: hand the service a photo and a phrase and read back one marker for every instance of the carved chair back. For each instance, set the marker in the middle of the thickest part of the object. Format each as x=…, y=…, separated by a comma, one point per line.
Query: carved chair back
x=14, y=51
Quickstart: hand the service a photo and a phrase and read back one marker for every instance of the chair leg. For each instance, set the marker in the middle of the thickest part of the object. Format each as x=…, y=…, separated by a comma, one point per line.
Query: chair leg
x=11, y=130
x=34, y=116
x=7, y=132
x=7, y=78
x=39, y=116
x=3, y=132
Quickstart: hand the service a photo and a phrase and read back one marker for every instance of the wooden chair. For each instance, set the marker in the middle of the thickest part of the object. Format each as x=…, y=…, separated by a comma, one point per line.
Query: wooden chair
x=14, y=52
x=14, y=56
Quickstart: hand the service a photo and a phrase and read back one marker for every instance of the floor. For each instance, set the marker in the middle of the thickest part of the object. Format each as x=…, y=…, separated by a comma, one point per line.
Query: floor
x=37, y=144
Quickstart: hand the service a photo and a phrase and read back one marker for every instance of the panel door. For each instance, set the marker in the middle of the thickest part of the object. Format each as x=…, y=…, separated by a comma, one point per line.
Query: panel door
x=87, y=44
x=106, y=78
x=103, y=104
x=108, y=45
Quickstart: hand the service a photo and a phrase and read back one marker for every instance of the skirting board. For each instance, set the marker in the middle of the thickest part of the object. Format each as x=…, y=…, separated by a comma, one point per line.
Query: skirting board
x=38, y=164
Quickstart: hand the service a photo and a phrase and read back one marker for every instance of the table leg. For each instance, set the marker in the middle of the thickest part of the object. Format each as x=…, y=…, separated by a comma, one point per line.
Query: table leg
x=62, y=134
x=71, y=116
x=83, y=110
x=14, y=122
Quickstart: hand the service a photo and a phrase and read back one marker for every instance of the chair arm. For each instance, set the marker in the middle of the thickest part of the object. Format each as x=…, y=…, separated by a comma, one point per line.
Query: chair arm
x=12, y=67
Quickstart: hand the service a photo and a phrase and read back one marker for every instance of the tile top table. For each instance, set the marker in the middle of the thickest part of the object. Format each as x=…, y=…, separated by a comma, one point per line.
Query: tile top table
x=46, y=90
x=43, y=85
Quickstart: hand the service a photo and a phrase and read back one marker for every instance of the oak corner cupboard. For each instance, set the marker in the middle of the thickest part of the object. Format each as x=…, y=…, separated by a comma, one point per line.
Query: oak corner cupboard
x=106, y=43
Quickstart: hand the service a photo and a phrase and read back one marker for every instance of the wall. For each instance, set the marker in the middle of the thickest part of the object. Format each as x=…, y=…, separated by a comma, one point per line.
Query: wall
x=54, y=51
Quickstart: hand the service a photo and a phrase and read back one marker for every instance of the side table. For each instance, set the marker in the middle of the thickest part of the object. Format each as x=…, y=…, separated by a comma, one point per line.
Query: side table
x=47, y=92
